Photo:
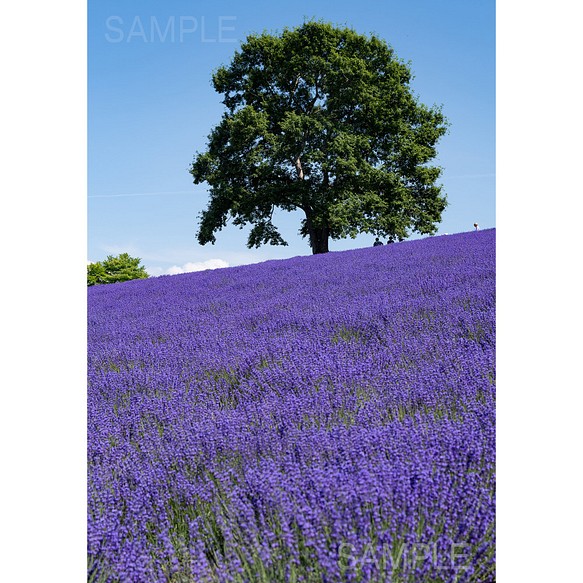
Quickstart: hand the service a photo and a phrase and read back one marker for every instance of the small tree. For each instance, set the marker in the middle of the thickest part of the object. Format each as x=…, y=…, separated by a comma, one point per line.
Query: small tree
x=322, y=120
x=115, y=269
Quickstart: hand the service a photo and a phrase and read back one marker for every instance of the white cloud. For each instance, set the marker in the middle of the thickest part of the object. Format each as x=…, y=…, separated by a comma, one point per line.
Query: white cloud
x=189, y=267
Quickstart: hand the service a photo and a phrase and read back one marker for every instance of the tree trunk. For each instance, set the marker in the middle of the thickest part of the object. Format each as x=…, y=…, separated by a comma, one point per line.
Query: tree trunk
x=318, y=235
x=318, y=238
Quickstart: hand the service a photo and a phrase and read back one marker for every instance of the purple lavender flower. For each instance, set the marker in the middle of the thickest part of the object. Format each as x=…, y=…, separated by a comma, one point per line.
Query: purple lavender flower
x=324, y=418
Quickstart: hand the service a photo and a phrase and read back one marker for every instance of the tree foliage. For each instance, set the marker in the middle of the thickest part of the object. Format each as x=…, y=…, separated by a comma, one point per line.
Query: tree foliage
x=320, y=119
x=115, y=269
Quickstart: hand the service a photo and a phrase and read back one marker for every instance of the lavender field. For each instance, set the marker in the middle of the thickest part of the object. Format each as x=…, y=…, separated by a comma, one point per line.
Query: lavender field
x=320, y=419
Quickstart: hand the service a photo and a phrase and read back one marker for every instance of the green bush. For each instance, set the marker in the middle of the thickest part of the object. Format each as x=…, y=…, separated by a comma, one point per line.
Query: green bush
x=115, y=269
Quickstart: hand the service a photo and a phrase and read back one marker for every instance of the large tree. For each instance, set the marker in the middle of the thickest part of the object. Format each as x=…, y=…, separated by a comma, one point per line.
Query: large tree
x=320, y=119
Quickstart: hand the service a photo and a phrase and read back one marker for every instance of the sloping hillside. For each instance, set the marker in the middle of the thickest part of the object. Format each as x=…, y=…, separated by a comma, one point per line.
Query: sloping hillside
x=323, y=418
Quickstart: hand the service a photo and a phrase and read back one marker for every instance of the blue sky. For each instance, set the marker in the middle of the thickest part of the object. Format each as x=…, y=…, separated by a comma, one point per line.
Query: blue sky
x=151, y=106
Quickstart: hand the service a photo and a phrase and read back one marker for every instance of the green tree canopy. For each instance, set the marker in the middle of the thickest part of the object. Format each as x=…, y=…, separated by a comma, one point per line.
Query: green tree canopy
x=320, y=119
x=114, y=269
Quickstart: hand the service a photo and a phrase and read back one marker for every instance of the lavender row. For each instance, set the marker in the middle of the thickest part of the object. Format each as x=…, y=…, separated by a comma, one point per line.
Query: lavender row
x=325, y=418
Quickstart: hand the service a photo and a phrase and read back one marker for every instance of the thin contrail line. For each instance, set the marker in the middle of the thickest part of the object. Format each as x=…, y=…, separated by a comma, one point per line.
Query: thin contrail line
x=470, y=176
x=140, y=194
x=163, y=193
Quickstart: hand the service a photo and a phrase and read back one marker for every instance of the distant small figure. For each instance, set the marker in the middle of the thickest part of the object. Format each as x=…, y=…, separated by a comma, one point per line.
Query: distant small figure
x=377, y=242
x=476, y=226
